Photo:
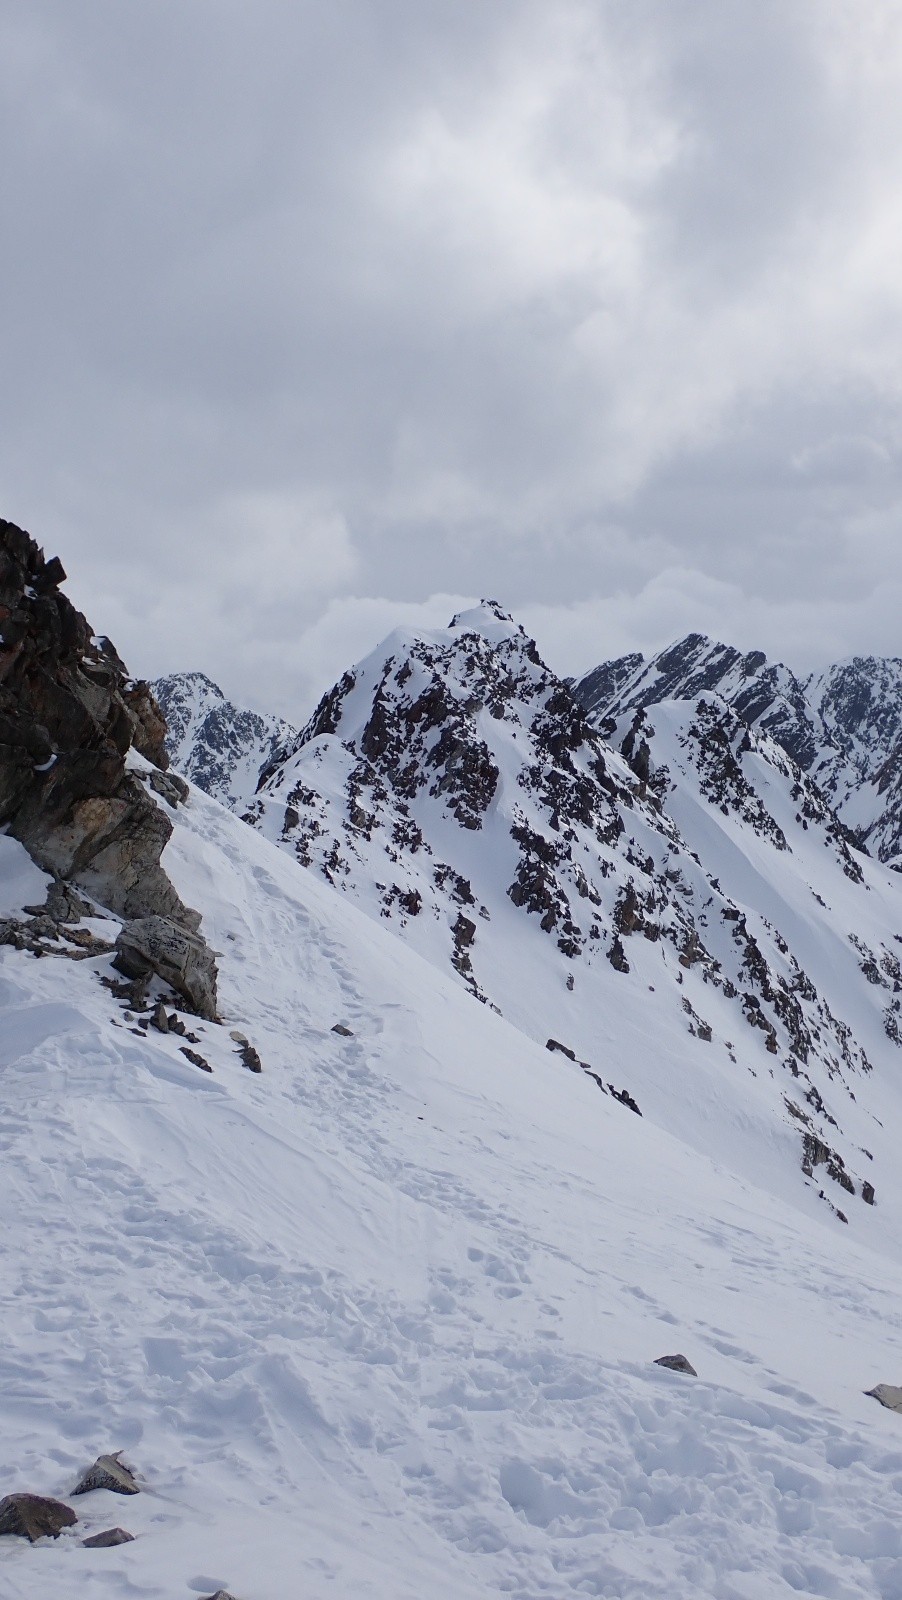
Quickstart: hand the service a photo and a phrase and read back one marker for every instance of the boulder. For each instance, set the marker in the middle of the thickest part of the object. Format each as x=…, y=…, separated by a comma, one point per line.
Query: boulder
x=177, y=955
x=889, y=1395
x=107, y=1473
x=33, y=1516
x=677, y=1363
x=339, y=1028
x=106, y=1540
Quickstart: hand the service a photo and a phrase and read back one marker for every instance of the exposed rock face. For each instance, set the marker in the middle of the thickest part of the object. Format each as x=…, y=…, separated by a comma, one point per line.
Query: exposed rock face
x=108, y=1539
x=69, y=714
x=34, y=1516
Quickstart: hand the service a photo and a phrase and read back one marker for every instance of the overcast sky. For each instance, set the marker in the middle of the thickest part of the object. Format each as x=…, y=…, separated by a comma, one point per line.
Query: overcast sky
x=322, y=317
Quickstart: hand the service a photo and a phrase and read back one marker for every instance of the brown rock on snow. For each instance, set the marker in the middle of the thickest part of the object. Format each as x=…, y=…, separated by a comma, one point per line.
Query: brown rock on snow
x=107, y=1539
x=677, y=1363
x=34, y=1516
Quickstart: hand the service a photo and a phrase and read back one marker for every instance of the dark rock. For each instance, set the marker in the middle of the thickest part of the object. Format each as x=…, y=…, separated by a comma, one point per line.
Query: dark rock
x=33, y=1516
x=195, y=1059
x=339, y=1027
x=250, y=1058
x=677, y=1363
x=159, y=1019
x=221, y=1594
x=564, y=1050
x=889, y=1395
x=169, y=786
x=106, y=1540
x=181, y=958
x=107, y=1473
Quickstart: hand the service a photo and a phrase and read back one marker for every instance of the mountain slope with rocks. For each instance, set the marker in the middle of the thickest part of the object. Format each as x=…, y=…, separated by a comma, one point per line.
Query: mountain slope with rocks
x=694, y=885
x=357, y=1288
x=220, y=746
x=843, y=726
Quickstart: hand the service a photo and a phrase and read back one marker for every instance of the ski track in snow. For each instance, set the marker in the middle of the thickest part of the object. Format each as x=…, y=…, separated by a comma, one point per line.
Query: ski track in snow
x=357, y=1353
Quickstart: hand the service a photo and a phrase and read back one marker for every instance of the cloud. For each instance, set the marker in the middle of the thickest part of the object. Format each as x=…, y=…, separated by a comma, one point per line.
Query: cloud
x=552, y=299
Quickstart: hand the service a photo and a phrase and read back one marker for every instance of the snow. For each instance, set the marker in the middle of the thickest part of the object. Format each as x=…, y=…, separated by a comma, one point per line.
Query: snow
x=21, y=882
x=381, y=1322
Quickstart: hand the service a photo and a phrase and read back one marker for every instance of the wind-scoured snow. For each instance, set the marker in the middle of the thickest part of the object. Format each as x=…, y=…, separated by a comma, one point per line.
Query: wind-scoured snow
x=381, y=1321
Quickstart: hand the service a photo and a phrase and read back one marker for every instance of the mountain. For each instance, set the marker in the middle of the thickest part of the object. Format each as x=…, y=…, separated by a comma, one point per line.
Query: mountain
x=843, y=726
x=693, y=887
x=220, y=746
x=381, y=1316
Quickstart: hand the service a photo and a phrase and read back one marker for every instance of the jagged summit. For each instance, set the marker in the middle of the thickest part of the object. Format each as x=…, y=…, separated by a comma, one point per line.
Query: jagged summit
x=843, y=725
x=488, y=617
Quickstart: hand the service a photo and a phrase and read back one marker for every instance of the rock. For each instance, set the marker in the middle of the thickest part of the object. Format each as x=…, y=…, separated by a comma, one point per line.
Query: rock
x=169, y=786
x=889, y=1395
x=107, y=1473
x=195, y=1059
x=106, y=1540
x=677, y=1363
x=178, y=956
x=339, y=1027
x=33, y=1516
x=250, y=1058
x=221, y=1594
x=159, y=1019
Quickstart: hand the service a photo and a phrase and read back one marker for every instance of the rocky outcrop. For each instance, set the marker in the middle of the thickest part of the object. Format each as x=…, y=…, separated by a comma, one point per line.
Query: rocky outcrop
x=69, y=715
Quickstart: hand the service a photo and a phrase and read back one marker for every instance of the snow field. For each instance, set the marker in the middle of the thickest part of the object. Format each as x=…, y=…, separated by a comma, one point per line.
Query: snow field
x=382, y=1321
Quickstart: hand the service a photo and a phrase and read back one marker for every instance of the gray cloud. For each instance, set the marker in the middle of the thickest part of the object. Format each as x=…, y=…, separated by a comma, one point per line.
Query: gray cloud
x=316, y=316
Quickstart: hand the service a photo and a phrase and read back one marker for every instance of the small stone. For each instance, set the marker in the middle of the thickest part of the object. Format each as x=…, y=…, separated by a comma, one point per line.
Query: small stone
x=107, y=1473
x=677, y=1363
x=346, y=1033
x=33, y=1516
x=889, y=1395
x=250, y=1058
x=159, y=1019
x=195, y=1059
x=106, y=1540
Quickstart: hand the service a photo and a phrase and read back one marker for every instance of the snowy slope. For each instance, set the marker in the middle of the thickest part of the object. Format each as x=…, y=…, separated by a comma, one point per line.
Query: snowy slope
x=220, y=746
x=843, y=726
x=686, y=917
x=380, y=1322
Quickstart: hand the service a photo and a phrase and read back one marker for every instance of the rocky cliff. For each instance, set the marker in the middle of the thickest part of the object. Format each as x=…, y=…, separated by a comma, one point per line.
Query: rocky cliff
x=71, y=788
